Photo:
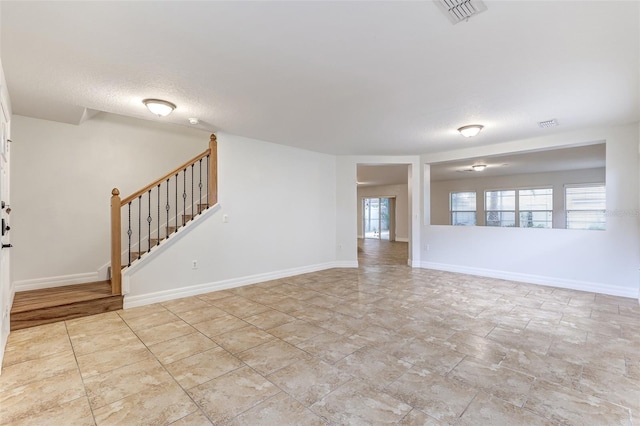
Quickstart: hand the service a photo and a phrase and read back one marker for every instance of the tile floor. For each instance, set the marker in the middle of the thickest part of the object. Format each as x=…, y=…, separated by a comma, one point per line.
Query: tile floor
x=382, y=344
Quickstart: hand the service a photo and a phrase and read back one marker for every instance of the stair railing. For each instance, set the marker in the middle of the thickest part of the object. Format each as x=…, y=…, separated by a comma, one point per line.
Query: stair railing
x=152, y=213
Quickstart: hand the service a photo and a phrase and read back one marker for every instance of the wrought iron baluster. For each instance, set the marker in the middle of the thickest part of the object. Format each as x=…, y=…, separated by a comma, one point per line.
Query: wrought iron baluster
x=167, y=207
x=184, y=194
x=158, y=234
x=200, y=186
x=208, y=161
x=149, y=222
x=129, y=232
x=139, y=225
x=192, y=212
x=176, y=202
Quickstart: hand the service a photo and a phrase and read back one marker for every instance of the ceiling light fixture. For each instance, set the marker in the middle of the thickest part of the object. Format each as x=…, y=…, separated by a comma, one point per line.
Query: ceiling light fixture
x=479, y=167
x=194, y=121
x=159, y=107
x=470, y=130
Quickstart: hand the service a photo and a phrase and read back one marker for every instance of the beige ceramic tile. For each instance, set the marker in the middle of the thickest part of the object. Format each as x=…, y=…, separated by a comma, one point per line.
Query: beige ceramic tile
x=372, y=366
x=110, y=359
x=435, y=357
x=37, y=342
x=477, y=347
x=611, y=387
x=185, y=304
x=239, y=306
x=309, y=380
x=330, y=347
x=356, y=403
x=194, y=419
x=242, y=339
x=269, y=319
x=502, y=382
x=440, y=397
x=272, y=356
x=37, y=369
x=181, y=347
x=96, y=324
x=418, y=418
x=109, y=387
x=227, y=396
x=75, y=412
x=156, y=405
x=202, y=314
x=215, y=295
x=141, y=311
x=160, y=333
x=220, y=325
x=202, y=367
x=278, y=410
x=151, y=320
x=35, y=397
x=84, y=344
x=488, y=410
x=296, y=331
x=566, y=406
x=529, y=340
x=551, y=369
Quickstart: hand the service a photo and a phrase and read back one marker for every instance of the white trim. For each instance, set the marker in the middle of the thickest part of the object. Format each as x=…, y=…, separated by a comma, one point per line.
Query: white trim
x=402, y=240
x=163, y=296
x=49, y=282
x=589, y=286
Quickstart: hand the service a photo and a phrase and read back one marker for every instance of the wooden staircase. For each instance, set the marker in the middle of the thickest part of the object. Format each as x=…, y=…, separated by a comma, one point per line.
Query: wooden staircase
x=44, y=306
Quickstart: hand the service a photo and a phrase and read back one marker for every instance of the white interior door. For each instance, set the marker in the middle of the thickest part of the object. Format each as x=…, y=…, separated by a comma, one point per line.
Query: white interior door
x=6, y=292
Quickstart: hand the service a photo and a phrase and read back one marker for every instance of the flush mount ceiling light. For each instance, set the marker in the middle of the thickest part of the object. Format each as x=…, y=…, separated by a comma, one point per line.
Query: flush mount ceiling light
x=478, y=167
x=470, y=130
x=159, y=107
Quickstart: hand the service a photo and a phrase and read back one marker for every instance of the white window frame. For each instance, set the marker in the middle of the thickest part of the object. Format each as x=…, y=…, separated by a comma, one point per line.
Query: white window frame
x=604, y=210
x=516, y=211
x=474, y=211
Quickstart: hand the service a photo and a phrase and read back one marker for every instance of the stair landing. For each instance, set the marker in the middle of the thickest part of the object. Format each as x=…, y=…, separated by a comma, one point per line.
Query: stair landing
x=44, y=306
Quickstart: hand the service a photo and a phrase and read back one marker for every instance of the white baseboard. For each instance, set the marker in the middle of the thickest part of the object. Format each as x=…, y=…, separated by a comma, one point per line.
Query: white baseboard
x=589, y=286
x=49, y=282
x=163, y=296
x=402, y=240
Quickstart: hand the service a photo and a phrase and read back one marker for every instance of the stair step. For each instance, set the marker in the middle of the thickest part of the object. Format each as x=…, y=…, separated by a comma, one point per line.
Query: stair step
x=155, y=241
x=202, y=207
x=45, y=306
x=171, y=229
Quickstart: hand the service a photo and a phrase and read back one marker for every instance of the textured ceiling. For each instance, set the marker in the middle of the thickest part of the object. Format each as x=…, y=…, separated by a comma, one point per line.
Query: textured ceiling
x=359, y=77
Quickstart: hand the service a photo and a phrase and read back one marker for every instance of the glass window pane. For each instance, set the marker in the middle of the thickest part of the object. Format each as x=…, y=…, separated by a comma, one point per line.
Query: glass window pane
x=535, y=219
x=463, y=201
x=463, y=218
x=501, y=218
x=536, y=199
x=586, y=220
x=585, y=198
x=500, y=200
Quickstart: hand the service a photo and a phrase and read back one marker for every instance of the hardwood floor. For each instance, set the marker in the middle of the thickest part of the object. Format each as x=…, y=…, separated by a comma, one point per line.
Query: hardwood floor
x=44, y=306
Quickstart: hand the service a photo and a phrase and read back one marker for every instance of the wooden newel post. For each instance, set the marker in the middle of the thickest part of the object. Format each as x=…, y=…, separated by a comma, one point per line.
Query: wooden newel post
x=213, y=171
x=116, y=243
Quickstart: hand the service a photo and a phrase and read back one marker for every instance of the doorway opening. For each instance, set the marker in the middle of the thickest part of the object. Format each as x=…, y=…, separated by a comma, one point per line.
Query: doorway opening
x=378, y=218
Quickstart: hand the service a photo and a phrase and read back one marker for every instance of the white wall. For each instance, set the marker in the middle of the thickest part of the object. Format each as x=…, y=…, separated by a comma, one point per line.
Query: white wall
x=440, y=190
x=605, y=261
x=281, y=208
x=347, y=204
x=62, y=180
x=400, y=192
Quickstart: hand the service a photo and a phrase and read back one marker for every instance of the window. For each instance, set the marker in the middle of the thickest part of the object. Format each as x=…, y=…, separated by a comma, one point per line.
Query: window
x=500, y=208
x=536, y=207
x=585, y=206
x=463, y=208
x=524, y=208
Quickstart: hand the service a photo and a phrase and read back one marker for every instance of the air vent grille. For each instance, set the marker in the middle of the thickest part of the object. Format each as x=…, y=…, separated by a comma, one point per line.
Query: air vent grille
x=461, y=10
x=548, y=123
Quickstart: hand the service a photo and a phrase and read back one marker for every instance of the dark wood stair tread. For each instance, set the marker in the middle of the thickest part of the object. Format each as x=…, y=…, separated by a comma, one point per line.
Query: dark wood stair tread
x=44, y=306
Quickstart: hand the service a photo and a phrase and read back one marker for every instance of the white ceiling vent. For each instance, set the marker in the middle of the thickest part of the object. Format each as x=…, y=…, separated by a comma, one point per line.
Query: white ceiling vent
x=461, y=10
x=548, y=123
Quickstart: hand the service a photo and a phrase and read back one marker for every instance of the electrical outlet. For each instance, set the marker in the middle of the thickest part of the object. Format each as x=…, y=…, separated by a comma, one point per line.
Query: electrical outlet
x=194, y=264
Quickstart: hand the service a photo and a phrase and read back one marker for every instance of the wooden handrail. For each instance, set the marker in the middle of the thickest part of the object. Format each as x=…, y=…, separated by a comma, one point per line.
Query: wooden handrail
x=163, y=178
x=117, y=204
